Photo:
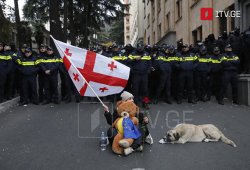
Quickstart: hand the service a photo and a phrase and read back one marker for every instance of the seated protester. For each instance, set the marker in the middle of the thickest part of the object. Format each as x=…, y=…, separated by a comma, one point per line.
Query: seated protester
x=29, y=69
x=50, y=66
x=143, y=121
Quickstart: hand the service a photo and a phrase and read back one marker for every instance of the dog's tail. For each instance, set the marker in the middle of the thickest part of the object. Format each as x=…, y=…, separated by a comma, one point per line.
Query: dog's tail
x=227, y=141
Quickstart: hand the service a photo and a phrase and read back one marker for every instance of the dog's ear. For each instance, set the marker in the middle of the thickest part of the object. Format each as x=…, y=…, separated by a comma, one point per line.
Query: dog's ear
x=176, y=136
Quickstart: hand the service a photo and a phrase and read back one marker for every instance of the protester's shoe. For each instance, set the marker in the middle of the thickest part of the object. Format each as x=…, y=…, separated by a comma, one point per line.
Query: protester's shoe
x=140, y=148
x=128, y=151
x=220, y=102
x=149, y=139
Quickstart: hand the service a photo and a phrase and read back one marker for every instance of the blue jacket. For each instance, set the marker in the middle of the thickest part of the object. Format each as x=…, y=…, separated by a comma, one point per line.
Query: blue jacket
x=163, y=62
x=187, y=62
x=230, y=62
x=27, y=65
x=142, y=65
x=215, y=65
x=49, y=63
x=203, y=63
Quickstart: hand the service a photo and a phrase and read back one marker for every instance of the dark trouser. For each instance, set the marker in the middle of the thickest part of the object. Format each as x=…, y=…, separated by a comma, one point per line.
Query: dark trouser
x=3, y=78
x=10, y=84
x=214, y=84
x=153, y=83
x=201, y=84
x=41, y=82
x=174, y=83
x=229, y=77
x=65, y=86
x=165, y=78
x=140, y=86
x=185, y=77
x=29, y=86
x=51, y=83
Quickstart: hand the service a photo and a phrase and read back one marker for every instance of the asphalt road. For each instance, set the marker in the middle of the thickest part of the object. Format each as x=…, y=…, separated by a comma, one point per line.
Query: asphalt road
x=65, y=137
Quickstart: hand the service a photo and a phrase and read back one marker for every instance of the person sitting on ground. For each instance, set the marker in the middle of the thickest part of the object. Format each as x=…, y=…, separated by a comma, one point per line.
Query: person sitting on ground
x=143, y=121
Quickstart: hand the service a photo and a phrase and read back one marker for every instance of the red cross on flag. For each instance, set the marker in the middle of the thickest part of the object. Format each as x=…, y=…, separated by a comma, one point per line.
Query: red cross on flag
x=103, y=75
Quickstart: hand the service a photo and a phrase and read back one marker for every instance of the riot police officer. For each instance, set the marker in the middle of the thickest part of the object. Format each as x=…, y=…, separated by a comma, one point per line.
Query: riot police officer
x=215, y=74
x=50, y=66
x=230, y=63
x=186, y=66
x=140, y=62
x=42, y=55
x=164, y=64
x=202, y=70
x=28, y=68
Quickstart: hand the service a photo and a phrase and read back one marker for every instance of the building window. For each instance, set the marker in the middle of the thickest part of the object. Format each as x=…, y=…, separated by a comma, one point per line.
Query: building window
x=178, y=9
x=159, y=32
x=197, y=35
x=167, y=22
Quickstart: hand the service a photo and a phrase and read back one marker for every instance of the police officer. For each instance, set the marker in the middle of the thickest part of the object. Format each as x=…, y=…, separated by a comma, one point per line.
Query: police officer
x=28, y=68
x=215, y=74
x=230, y=63
x=50, y=66
x=186, y=66
x=128, y=51
x=9, y=89
x=140, y=68
x=4, y=64
x=42, y=55
x=164, y=64
x=202, y=70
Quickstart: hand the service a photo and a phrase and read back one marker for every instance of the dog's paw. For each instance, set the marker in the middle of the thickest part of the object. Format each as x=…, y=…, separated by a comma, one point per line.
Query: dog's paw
x=206, y=140
x=162, y=141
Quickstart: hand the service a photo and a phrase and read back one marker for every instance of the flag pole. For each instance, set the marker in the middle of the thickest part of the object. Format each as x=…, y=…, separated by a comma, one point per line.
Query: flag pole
x=79, y=72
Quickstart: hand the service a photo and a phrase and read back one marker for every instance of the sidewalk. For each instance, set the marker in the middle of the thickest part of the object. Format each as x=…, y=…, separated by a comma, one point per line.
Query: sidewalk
x=8, y=104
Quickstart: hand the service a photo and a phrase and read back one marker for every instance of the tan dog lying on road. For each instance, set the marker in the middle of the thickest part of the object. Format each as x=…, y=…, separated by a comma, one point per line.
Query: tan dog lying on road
x=183, y=133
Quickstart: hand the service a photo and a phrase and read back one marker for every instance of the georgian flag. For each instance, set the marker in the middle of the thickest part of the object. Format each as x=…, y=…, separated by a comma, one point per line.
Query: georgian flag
x=104, y=75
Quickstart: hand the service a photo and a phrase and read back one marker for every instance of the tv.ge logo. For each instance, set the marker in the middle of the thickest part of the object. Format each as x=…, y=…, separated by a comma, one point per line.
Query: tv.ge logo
x=207, y=14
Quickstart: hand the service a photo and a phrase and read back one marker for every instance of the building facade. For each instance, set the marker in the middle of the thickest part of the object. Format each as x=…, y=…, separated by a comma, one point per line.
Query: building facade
x=169, y=21
x=133, y=22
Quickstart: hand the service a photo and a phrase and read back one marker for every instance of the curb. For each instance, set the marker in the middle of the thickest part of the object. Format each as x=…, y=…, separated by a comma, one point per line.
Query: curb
x=8, y=104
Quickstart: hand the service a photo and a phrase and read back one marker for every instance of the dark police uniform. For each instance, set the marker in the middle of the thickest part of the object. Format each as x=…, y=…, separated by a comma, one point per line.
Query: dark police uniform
x=215, y=75
x=41, y=80
x=164, y=63
x=51, y=80
x=186, y=66
x=5, y=65
x=29, y=69
x=230, y=63
x=140, y=62
x=202, y=71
